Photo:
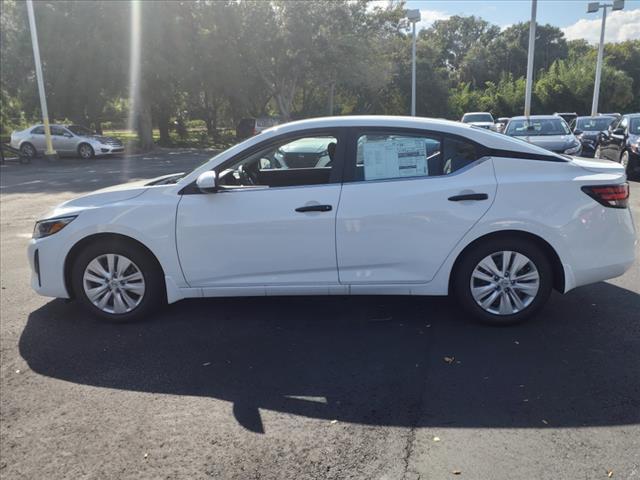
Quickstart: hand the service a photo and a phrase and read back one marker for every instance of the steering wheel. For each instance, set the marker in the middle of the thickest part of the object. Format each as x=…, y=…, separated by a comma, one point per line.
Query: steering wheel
x=245, y=176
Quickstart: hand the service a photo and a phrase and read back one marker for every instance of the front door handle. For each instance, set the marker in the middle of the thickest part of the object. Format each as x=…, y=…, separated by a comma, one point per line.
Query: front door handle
x=469, y=196
x=314, y=208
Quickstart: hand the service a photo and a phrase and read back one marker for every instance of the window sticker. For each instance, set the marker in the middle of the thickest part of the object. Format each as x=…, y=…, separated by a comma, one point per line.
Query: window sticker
x=395, y=158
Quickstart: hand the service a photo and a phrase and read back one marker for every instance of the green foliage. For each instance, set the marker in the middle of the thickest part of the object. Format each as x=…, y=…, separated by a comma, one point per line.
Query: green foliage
x=206, y=64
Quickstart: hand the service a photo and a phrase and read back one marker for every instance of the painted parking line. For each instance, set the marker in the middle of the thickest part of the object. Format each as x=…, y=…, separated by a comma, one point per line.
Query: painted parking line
x=21, y=184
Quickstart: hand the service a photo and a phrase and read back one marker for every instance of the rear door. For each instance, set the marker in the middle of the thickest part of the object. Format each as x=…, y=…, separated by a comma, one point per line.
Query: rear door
x=36, y=138
x=409, y=198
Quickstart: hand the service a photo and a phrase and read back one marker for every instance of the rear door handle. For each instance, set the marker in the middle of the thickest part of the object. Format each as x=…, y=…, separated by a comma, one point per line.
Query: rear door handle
x=314, y=208
x=469, y=196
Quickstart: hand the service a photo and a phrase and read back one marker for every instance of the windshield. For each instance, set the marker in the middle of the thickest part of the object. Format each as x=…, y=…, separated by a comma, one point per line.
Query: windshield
x=537, y=127
x=78, y=130
x=477, y=117
x=634, y=126
x=594, y=124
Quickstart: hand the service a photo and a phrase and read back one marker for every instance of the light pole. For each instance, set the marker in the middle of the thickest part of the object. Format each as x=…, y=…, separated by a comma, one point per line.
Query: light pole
x=50, y=153
x=414, y=17
x=530, y=55
x=592, y=8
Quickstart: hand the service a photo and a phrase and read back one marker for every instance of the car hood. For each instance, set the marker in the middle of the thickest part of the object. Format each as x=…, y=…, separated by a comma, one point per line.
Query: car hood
x=101, y=138
x=552, y=142
x=116, y=193
x=482, y=124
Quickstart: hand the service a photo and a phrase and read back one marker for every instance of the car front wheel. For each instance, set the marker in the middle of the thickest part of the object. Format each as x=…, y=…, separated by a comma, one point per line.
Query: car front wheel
x=85, y=151
x=503, y=281
x=118, y=281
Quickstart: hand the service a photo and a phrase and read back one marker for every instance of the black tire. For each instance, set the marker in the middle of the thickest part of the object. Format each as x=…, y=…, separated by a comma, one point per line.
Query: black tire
x=28, y=151
x=472, y=257
x=155, y=292
x=85, y=151
x=630, y=167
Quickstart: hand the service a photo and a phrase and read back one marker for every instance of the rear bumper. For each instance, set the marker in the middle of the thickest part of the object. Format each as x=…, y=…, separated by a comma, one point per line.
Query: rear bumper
x=605, y=252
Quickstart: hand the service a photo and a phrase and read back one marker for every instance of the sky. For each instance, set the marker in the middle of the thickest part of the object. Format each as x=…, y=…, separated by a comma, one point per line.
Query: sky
x=569, y=15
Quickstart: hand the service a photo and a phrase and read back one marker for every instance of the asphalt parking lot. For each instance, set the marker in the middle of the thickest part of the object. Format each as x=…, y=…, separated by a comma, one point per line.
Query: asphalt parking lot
x=304, y=387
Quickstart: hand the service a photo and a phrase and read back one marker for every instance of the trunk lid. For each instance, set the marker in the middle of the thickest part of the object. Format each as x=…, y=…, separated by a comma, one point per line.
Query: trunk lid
x=598, y=165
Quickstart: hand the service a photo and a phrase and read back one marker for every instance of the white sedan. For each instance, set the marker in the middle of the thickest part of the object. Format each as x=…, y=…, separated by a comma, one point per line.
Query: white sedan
x=347, y=206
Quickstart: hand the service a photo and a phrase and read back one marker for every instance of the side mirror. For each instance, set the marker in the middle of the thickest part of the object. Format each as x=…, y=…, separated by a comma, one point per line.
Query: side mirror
x=618, y=131
x=207, y=182
x=68, y=135
x=577, y=132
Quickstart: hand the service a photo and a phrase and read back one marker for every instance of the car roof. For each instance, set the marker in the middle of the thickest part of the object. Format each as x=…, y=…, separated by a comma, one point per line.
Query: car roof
x=537, y=117
x=595, y=117
x=475, y=113
x=480, y=135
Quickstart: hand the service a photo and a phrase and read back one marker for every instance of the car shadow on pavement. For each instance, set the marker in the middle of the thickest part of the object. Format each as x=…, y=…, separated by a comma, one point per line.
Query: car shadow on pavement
x=397, y=361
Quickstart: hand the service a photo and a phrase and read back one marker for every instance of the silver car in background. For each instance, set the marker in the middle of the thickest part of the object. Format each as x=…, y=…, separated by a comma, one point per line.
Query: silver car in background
x=546, y=131
x=68, y=140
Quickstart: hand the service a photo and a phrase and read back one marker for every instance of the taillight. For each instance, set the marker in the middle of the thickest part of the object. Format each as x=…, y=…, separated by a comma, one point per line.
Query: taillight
x=614, y=196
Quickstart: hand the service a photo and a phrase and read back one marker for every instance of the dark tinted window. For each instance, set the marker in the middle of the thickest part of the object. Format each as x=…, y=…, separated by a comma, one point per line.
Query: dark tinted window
x=38, y=130
x=295, y=162
x=57, y=131
x=539, y=127
x=457, y=154
x=594, y=124
x=80, y=130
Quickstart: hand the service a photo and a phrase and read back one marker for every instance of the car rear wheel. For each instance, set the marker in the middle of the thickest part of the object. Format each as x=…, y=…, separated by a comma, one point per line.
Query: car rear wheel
x=118, y=281
x=503, y=281
x=625, y=161
x=85, y=151
x=28, y=151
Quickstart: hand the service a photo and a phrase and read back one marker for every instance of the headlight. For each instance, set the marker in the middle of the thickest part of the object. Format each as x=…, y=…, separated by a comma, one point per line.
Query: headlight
x=572, y=150
x=635, y=148
x=44, y=228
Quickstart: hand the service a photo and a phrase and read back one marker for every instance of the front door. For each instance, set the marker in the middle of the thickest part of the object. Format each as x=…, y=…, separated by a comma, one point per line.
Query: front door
x=272, y=222
x=411, y=198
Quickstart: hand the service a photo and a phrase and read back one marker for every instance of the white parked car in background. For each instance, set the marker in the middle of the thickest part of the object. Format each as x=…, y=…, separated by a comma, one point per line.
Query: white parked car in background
x=480, y=119
x=69, y=140
x=397, y=205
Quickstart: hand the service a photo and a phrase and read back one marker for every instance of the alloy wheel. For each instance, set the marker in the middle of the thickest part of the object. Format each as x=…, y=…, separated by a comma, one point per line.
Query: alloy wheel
x=86, y=151
x=113, y=283
x=505, y=283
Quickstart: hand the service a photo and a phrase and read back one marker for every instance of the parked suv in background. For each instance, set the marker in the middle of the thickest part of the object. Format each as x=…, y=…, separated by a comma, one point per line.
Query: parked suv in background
x=248, y=127
x=68, y=140
x=621, y=143
x=587, y=130
x=546, y=131
x=480, y=119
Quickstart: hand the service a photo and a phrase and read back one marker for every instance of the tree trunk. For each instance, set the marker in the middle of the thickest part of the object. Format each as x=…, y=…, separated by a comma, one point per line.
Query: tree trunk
x=144, y=127
x=163, y=126
x=332, y=89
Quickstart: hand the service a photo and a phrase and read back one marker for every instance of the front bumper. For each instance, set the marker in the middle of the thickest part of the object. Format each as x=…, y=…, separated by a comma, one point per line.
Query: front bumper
x=104, y=150
x=47, y=267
